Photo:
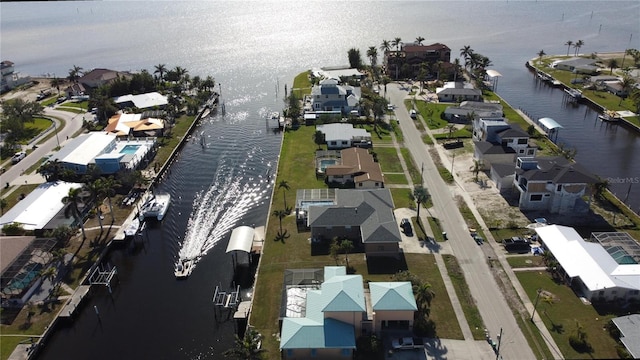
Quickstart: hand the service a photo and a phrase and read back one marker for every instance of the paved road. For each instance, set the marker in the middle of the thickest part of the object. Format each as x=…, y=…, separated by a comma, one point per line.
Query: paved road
x=489, y=299
x=15, y=176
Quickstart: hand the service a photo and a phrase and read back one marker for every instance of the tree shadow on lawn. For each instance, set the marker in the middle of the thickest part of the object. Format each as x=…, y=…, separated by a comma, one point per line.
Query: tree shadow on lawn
x=386, y=265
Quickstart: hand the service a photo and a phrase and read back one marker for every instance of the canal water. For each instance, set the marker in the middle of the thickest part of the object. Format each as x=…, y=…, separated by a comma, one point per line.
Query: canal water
x=253, y=49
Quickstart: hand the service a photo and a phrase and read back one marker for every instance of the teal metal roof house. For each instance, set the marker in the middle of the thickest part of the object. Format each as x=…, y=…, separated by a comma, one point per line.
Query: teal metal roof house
x=335, y=312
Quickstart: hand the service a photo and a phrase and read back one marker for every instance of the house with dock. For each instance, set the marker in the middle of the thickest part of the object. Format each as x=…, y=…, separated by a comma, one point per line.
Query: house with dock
x=552, y=184
x=105, y=152
x=324, y=311
x=363, y=216
x=330, y=96
x=458, y=92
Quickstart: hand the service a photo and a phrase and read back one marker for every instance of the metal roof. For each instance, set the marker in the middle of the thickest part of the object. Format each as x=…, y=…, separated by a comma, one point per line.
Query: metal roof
x=392, y=296
x=549, y=123
x=241, y=239
x=492, y=73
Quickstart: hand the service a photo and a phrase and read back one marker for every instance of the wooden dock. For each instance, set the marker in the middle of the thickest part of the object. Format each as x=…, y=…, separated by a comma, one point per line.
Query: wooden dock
x=77, y=297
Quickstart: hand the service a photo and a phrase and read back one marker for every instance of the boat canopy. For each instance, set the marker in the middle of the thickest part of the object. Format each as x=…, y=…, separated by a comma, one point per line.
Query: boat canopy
x=492, y=73
x=241, y=239
x=549, y=123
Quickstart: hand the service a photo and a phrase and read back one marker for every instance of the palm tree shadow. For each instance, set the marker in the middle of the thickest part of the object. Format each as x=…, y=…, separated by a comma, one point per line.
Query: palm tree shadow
x=281, y=236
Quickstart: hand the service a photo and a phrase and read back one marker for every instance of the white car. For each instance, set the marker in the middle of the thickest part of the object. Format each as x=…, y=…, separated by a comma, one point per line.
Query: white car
x=413, y=114
x=18, y=157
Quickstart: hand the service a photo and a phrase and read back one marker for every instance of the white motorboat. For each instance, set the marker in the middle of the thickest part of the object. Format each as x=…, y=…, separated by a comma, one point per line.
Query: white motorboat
x=574, y=93
x=609, y=116
x=184, y=268
x=156, y=207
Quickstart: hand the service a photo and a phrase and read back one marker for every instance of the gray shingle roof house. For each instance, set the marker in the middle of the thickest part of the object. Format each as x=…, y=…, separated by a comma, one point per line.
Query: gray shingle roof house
x=553, y=184
x=458, y=91
x=478, y=108
x=578, y=65
x=328, y=316
x=629, y=327
x=362, y=216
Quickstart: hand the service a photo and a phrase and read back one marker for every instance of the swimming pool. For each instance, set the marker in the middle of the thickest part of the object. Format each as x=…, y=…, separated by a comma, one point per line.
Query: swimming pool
x=326, y=162
x=129, y=149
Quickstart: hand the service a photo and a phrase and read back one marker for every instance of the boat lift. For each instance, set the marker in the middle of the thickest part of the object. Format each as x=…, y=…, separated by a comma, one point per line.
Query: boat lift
x=103, y=275
x=226, y=300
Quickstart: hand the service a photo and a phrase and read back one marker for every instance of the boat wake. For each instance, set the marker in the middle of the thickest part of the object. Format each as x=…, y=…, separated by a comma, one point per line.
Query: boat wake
x=217, y=210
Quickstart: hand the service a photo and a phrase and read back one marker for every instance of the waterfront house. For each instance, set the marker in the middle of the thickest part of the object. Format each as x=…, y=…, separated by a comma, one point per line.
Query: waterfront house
x=332, y=97
x=363, y=216
x=470, y=110
x=458, y=92
x=341, y=136
x=497, y=141
x=142, y=101
x=104, y=151
x=552, y=184
x=99, y=77
x=322, y=317
x=135, y=125
x=578, y=65
x=408, y=60
x=11, y=78
x=603, y=269
x=356, y=166
x=343, y=74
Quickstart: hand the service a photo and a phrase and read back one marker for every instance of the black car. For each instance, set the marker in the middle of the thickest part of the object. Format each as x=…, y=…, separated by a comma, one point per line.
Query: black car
x=405, y=224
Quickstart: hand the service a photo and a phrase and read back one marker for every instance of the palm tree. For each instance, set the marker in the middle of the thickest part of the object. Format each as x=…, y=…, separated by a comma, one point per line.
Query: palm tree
x=50, y=274
x=568, y=43
x=108, y=188
x=385, y=46
x=577, y=46
x=346, y=246
x=334, y=249
x=456, y=68
x=424, y=296
x=246, y=348
x=541, y=53
x=466, y=52
x=612, y=63
x=71, y=200
x=627, y=85
x=419, y=40
x=284, y=185
x=397, y=42
x=74, y=73
x=280, y=214
x=476, y=168
x=318, y=138
x=160, y=69
x=372, y=53
x=56, y=82
x=420, y=195
x=94, y=188
x=626, y=52
x=600, y=187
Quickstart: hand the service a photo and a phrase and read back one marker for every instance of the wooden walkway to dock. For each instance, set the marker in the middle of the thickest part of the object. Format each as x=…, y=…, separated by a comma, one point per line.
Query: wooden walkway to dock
x=71, y=306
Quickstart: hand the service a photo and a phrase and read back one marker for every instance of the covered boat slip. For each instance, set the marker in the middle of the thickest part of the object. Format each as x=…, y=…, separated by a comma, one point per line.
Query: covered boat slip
x=246, y=239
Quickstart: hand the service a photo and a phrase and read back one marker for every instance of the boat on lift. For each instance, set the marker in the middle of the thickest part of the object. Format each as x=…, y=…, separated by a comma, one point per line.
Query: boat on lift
x=609, y=116
x=155, y=208
x=184, y=267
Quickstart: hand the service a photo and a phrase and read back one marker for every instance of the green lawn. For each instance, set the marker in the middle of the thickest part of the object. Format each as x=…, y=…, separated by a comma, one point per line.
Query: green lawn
x=301, y=85
x=399, y=179
x=401, y=198
x=388, y=159
x=414, y=172
x=432, y=114
x=80, y=105
x=561, y=312
x=467, y=302
x=519, y=261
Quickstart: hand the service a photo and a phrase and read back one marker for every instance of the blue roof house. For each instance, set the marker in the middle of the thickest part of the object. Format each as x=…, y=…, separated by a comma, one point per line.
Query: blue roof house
x=393, y=305
x=335, y=311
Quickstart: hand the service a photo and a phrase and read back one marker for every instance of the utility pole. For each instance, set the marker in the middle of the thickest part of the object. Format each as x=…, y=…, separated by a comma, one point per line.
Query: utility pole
x=421, y=174
x=452, y=160
x=535, y=305
x=499, y=341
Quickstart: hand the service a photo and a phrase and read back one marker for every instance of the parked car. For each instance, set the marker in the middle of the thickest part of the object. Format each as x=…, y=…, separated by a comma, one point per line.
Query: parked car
x=517, y=244
x=405, y=224
x=413, y=114
x=407, y=343
x=17, y=157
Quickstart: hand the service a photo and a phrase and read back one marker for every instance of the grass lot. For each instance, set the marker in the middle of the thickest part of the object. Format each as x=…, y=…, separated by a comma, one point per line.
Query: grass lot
x=414, y=172
x=168, y=143
x=434, y=223
x=301, y=85
x=395, y=179
x=561, y=314
x=291, y=248
x=71, y=109
x=388, y=159
x=12, y=198
x=518, y=261
x=432, y=114
x=464, y=295
x=80, y=105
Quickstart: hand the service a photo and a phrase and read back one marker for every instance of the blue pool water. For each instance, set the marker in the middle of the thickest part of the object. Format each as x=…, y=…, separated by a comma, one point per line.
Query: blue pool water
x=129, y=149
x=327, y=162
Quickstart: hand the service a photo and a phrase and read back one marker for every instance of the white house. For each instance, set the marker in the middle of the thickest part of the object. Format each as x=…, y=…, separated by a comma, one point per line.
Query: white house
x=578, y=65
x=340, y=136
x=41, y=209
x=458, y=92
x=589, y=268
x=11, y=78
x=142, y=101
